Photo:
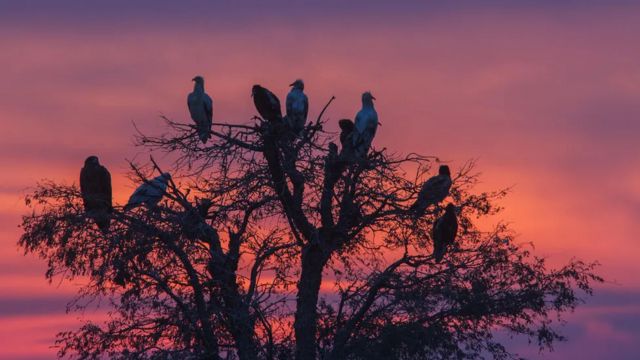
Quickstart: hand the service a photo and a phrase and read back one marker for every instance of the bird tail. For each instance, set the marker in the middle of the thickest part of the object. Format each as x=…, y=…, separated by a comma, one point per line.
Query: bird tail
x=438, y=254
x=204, y=137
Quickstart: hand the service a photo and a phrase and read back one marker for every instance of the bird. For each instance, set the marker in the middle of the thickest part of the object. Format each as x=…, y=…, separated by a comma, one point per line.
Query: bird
x=267, y=104
x=95, y=187
x=444, y=232
x=366, y=125
x=433, y=191
x=297, y=107
x=346, y=133
x=149, y=193
x=201, y=109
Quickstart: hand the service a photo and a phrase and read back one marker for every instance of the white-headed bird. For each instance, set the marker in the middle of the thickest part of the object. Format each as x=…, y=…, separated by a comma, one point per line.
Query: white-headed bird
x=149, y=193
x=433, y=191
x=267, y=104
x=95, y=186
x=444, y=232
x=297, y=107
x=201, y=109
x=366, y=125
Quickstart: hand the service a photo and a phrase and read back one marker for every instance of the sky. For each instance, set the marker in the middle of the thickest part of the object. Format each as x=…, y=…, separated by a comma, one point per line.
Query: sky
x=545, y=95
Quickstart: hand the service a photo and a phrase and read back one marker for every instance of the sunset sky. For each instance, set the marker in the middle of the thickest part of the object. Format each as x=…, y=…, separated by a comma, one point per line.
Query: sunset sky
x=544, y=94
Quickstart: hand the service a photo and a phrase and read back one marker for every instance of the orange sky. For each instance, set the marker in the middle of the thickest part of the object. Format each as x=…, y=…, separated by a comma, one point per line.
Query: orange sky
x=546, y=97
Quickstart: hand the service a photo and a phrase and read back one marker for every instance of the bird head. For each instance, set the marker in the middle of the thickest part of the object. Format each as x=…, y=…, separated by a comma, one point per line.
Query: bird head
x=450, y=209
x=367, y=97
x=166, y=177
x=346, y=125
x=298, y=84
x=198, y=79
x=444, y=170
x=92, y=161
x=255, y=89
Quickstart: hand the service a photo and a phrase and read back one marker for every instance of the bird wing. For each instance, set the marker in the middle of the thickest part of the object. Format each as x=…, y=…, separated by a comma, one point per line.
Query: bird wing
x=139, y=195
x=157, y=187
x=305, y=110
x=275, y=104
x=436, y=189
x=208, y=107
x=289, y=103
x=360, y=121
x=84, y=180
x=435, y=231
x=105, y=186
x=148, y=190
x=452, y=230
x=192, y=104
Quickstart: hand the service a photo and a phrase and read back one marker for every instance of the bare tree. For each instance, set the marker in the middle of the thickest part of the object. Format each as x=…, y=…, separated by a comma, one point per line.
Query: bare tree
x=273, y=245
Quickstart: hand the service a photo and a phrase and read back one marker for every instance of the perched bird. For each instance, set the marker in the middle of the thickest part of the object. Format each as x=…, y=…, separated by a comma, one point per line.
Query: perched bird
x=297, y=107
x=201, y=109
x=203, y=207
x=444, y=232
x=366, y=125
x=95, y=186
x=433, y=191
x=266, y=103
x=149, y=193
x=346, y=133
x=192, y=219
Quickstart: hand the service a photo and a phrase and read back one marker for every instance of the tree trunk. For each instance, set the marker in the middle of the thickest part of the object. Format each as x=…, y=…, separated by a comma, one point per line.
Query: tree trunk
x=237, y=313
x=305, y=325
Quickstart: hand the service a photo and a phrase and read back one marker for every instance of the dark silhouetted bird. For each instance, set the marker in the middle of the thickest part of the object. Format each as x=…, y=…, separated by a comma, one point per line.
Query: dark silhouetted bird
x=346, y=133
x=433, y=191
x=95, y=186
x=203, y=207
x=366, y=125
x=267, y=104
x=297, y=107
x=444, y=232
x=201, y=109
x=149, y=193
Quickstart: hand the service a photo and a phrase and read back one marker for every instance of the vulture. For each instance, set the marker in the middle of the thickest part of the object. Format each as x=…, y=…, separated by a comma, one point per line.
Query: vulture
x=95, y=186
x=149, y=193
x=346, y=133
x=444, y=232
x=297, y=107
x=433, y=191
x=366, y=125
x=267, y=103
x=201, y=109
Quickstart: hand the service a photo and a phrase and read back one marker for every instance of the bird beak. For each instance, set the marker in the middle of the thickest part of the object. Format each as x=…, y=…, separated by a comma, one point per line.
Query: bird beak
x=373, y=97
x=291, y=84
x=194, y=79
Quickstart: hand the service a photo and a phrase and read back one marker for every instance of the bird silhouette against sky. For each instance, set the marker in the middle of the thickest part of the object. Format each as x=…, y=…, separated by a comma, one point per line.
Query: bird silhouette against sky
x=433, y=191
x=149, y=193
x=366, y=124
x=346, y=136
x=267, y=104
x=297, y=107
x=444, y=232
x=201, y=109
x=95, y=187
